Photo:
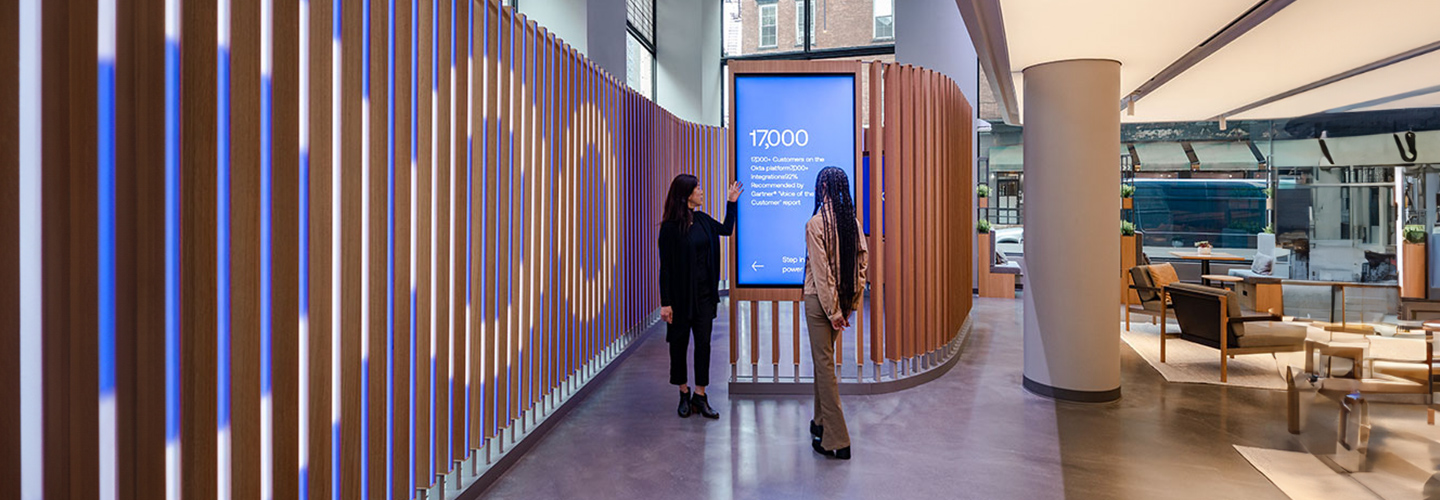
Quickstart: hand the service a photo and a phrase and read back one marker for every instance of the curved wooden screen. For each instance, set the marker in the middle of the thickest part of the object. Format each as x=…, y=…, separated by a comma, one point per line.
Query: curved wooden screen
x=311, y=248
x=918, y=143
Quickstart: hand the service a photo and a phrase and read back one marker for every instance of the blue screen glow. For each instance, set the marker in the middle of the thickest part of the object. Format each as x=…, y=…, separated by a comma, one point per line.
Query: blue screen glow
x=787, y=128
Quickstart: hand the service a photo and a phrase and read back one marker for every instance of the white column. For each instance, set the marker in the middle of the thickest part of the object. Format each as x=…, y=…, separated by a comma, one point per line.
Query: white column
x=1072, y=229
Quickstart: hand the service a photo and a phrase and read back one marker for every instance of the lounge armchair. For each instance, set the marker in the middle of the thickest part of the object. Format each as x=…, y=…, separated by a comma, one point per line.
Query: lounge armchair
x=1212, y=317
x=1153, y=302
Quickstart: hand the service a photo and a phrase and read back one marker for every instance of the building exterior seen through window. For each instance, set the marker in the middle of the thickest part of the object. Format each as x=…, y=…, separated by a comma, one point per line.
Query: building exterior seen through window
x=640, y=46
x=756, y=27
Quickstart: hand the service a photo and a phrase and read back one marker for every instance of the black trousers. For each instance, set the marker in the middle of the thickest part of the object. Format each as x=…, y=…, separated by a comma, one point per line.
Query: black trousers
x=678, y=334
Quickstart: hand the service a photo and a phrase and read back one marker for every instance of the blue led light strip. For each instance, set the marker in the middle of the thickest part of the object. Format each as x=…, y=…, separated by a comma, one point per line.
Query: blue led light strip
x=414, y=176
x=469, y=204
x=365, y=249
x=304, y=254
x=105, y=197
x=172, y=249
x=222, y=251
x=336, y=193
x=267, y=254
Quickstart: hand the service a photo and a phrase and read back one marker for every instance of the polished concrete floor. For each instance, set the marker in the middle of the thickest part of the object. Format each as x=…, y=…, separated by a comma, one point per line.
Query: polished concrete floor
x=973, y=433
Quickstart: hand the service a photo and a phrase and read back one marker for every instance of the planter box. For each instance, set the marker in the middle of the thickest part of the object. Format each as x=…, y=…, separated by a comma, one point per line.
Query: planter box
x=1412, y=284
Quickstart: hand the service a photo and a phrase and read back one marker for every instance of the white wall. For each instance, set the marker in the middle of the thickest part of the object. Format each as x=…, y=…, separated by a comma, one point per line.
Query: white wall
x=606, y=44
x=931, y=34
x=596, y=28
x=565, y=18
x=688, y=76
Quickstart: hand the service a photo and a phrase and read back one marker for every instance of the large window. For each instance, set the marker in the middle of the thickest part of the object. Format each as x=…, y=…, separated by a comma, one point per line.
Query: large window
x=639, y=67
x=767, y=25
x=810, y=29
x=800, y=22
x=640, y=46
x=884, y=19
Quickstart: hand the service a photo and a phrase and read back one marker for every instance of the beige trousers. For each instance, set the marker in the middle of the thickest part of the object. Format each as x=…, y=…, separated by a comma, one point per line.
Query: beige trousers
x=827, y=393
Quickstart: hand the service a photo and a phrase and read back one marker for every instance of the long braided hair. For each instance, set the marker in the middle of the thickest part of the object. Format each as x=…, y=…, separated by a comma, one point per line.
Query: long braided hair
x=833, y=186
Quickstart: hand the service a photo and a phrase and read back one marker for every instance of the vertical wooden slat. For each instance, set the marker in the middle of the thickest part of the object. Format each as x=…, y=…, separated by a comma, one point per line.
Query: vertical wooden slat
x=198, y=243
x=461, y=176
x=245, y=248
x=285, y=230
x=492, y=131
x=474, y=139
x=877, y=245
x=503, y=265
x=10, y=454
x=352, y=242
x=887, y=224
x=927, y=216
x=402, y=395
x=424, y=351
x=140, y=240
x=775, y=333
x=319, y=295
x=376, y=38
x=526, y=309
x=443, y=238
x=352, y=247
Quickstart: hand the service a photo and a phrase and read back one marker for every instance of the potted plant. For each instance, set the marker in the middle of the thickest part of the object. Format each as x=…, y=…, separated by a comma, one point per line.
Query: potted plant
x=1414, y=233
x=1202, y=248
x=982, y=226
x=982, y=191
x=1269, y=198
x=1127, y=196
x=1268, y=230
x=1413, y=261
x=1127, y=228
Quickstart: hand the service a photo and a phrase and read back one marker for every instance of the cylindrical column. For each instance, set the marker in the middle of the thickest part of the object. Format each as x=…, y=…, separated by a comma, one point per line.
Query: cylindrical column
x=1072, y=243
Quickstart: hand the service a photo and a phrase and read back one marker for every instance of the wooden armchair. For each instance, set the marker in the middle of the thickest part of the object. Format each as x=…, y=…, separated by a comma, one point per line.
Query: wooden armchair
x=1212, y=317
x=1153, y=301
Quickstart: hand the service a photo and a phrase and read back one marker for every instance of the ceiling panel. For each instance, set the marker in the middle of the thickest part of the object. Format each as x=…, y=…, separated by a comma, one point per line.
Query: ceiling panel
x=1429, y=100
x=1303, y=43
x=1416, y=73
x=1144, y=35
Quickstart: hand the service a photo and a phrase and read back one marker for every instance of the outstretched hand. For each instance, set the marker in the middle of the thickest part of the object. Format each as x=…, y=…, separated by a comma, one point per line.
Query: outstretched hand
x=735, y=189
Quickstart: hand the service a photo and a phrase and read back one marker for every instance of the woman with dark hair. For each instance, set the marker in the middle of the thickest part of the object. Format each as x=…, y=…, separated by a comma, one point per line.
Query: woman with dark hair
x=689, y=279
x=834, y=288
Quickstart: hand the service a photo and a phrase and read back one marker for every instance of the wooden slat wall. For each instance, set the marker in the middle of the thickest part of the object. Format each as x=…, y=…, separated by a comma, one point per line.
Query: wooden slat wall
x=529, y=180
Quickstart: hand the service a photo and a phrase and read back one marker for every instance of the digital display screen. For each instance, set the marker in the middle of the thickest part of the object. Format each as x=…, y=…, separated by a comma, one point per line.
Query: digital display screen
x=787, y=128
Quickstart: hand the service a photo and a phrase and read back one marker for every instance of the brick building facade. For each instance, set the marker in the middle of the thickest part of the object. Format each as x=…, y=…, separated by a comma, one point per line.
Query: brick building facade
x=837, y=24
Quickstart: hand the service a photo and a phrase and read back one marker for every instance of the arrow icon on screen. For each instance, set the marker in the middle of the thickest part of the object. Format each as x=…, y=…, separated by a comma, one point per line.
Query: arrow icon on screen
x=755, y=266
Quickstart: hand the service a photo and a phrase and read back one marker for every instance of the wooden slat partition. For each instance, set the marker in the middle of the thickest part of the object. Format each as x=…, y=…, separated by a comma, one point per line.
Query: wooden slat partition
x=918, y=143
x=410, y=227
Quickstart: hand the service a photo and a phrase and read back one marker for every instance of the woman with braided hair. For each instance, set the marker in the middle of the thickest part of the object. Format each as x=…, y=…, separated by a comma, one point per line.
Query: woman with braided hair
x=834, y=288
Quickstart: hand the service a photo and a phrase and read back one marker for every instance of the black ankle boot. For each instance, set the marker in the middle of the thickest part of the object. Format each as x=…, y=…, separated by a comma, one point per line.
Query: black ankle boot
x=842, y=453
x=816, y=430
x=684, y=409
x=701, y=405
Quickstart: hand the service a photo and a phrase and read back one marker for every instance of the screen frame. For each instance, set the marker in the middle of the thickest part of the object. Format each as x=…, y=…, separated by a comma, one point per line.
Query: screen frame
x=854, y=69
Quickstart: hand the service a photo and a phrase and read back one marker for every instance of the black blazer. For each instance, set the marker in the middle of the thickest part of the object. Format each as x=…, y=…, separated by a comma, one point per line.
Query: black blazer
x=680, y=276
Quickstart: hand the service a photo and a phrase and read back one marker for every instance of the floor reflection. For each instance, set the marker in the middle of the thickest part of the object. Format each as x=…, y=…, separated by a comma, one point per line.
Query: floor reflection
x=973, y=433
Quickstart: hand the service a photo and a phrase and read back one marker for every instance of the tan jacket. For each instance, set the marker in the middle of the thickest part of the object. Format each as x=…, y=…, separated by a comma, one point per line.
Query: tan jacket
x=819, y=279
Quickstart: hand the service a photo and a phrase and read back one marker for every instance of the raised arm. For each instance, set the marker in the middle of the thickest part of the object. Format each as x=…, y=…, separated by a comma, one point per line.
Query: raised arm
x=728, y=227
